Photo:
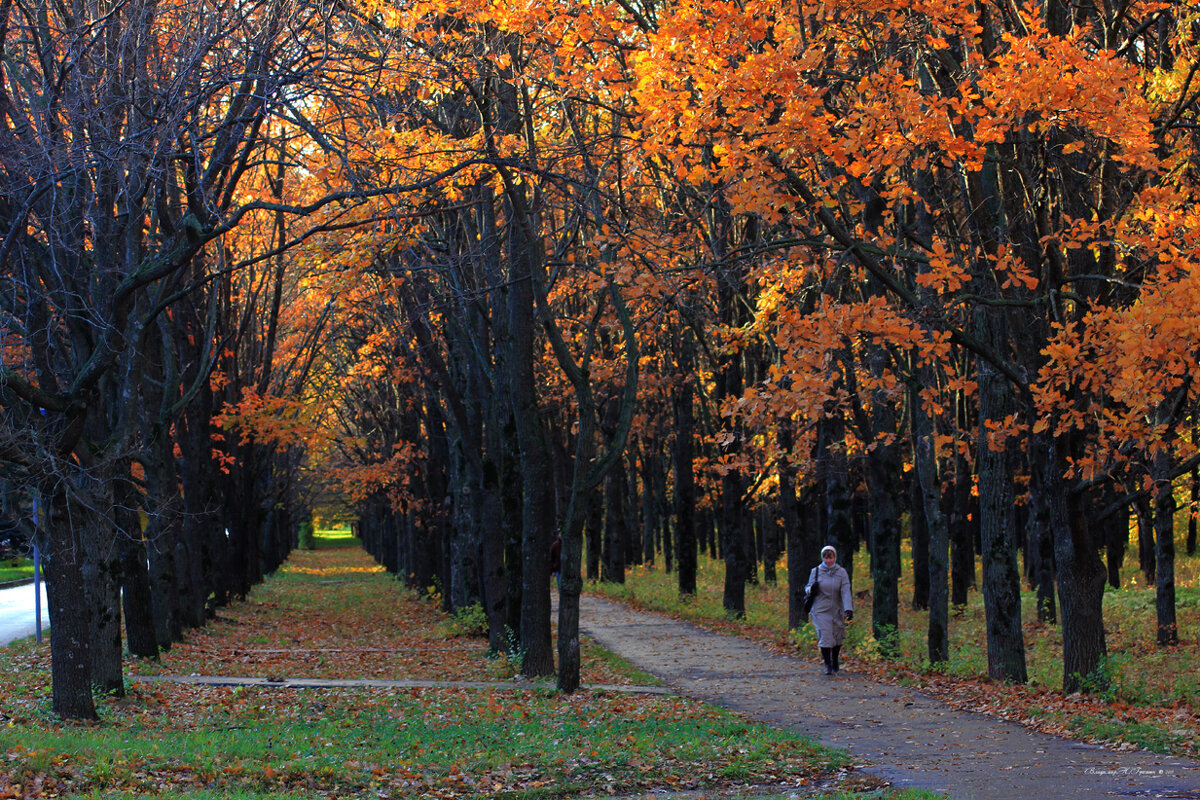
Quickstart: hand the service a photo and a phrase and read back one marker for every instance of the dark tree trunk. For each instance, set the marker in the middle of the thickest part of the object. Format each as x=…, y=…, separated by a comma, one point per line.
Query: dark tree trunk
x=1081, y=574
x=1145, y=525
x=161, y=536
x=798, y=556
x=1039, y=542
x=1116, y=544
x=70, y=615
x=536, y=641
x=685, y=486
x=615, y=534
x=633, y=527
x=136, y=595
x=494, y=575
x=1164, y=552
x=733, y=543
x=666, y=530
x=594, y=533
x=929, y=499
x=649, y=508
x=769, y=522
x=1001, y=576
x=835, y=476
x=101, y=573
x=919, y=541
x=883, y=475
x=1194, y=486
x=962, y=535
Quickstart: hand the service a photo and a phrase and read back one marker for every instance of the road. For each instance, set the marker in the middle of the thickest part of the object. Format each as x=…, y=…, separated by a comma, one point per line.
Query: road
x=16, y=613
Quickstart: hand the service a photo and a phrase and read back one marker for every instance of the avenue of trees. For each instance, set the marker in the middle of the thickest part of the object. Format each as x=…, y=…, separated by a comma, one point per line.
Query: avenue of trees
x=668, y=279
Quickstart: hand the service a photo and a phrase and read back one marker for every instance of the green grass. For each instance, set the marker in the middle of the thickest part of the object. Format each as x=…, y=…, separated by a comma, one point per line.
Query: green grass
x=359, y=741
x=621, y=666
x=16, y=569
x=335, y=537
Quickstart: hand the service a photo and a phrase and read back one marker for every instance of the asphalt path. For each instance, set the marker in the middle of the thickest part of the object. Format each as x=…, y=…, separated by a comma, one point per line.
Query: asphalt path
x=17, y=609
x=905, y=737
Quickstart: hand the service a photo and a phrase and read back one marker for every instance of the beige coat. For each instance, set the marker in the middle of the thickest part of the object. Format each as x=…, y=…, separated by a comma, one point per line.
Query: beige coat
x=828, y=612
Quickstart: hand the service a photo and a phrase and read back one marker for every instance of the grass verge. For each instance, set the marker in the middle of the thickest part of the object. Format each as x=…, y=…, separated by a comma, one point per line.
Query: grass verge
x=16, y=570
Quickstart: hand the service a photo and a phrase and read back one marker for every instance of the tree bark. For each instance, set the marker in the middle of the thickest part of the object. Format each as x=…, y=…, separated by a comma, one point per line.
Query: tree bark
x=685, y=486
x=1145, y=525
x=136, y=595
x=70, y=614
x=919, y=543
x=1081, y=574
x=799, y=559
x=1164, y=552
x=1194, y=487
x=929, y=498
x=536, y=644
x=1001, y=576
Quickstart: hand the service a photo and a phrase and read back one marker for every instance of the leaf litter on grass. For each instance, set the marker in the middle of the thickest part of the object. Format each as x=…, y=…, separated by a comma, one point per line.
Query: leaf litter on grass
x=333, y=614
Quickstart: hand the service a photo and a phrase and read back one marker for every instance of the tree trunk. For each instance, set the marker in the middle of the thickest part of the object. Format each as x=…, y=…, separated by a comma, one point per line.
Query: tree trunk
x=883, y=471
x=685, y=486
x=733, y=542
x=650, y=506
x=136, y=595
x=1164, y=552
x=101, y=572
x=929, y=498
x=1081, y=575
x=666, y=531
x=1039, y=542
x=798, y=557
x=769, y=522
x=962, y=538
x=70, y=614
x=1194, y=485
x=834, y=472
x=1145, y=525
x=536, y=642
x=1116, y=543
x=615, y=534
x=919, y=542
x=1001, y=576
x=594, y=533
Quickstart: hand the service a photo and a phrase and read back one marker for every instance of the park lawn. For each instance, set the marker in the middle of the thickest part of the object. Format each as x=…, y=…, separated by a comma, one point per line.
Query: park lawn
x=1152, y=700
x=16, y=569
x=332, y=613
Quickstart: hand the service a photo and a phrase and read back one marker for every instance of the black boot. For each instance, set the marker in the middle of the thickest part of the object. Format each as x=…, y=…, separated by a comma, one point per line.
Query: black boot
x=827, y=657
x=836, y=652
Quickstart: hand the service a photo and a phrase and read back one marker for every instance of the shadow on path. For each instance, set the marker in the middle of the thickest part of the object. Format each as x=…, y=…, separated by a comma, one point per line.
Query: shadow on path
x=898, y=734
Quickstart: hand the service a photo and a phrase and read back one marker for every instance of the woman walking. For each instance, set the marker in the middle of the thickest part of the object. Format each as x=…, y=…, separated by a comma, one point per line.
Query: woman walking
x=831, y=606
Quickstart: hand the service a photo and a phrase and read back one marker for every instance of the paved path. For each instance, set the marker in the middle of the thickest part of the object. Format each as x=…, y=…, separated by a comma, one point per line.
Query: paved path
x=17, y=612
x=900, y=735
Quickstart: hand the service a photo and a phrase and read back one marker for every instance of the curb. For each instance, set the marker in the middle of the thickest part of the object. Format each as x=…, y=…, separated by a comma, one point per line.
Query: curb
x=16, y=583
x=350, y=683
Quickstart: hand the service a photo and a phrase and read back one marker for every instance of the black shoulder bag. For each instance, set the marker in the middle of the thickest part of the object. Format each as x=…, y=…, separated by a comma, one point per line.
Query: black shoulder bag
x=814, y=589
